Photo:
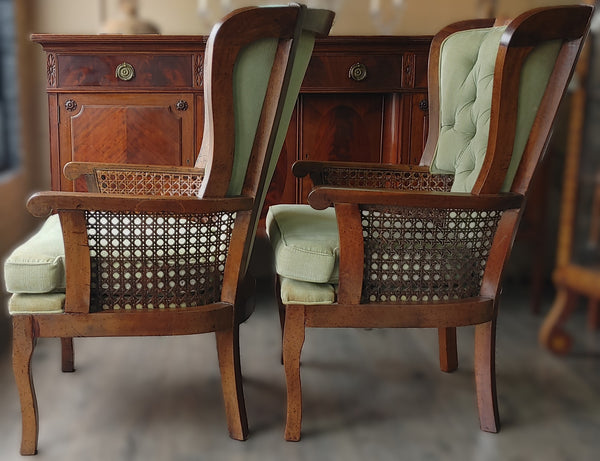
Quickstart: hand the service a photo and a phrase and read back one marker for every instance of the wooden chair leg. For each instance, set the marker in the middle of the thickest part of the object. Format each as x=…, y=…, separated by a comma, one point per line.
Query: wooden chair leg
x=67, y=355
x=23, y=346
x=448, y=352
x=281, y=307
x=552, y=334
x=485, y=376
x=228, y=350
x=293, y=340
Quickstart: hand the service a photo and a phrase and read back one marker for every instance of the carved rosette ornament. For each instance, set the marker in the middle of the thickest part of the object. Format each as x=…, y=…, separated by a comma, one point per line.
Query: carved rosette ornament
x=51, y=70
x=70, y=105
x=198, y=70
x=181, y=105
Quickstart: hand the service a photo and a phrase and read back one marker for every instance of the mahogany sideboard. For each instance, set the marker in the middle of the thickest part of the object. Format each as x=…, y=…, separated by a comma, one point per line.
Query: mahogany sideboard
x=138, y=99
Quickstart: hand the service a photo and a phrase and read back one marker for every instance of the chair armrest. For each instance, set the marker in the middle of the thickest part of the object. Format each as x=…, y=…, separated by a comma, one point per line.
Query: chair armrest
x=414, y=246
x=324, y=196
x=372, y=175
x=44, y=203
x=147, y=231
x=136, y=179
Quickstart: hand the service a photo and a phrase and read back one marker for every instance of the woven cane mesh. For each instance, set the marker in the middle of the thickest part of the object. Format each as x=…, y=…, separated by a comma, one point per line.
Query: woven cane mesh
x=150, y=260
x=425, y=255
x=382, y=178
x=148, y=183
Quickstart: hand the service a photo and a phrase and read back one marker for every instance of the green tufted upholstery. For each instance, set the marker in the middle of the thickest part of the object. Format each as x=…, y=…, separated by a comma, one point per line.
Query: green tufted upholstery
x=467, y=61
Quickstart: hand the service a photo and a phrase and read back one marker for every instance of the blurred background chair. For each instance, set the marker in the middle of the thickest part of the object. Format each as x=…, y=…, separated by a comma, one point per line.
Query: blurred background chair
x=164, y=251
x=426, y=246
x=576, y=275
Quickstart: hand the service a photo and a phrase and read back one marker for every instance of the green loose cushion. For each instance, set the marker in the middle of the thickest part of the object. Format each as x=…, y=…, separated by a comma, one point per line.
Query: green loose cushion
x=297, y=292
x=305, y=242
x=40, y=303
x=38, y=265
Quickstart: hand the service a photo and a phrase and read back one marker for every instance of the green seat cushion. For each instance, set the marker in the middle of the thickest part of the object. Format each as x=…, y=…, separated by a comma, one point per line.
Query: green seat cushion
x=38, y=265
x=39, y=303
x=297, y=292
x=305, y=242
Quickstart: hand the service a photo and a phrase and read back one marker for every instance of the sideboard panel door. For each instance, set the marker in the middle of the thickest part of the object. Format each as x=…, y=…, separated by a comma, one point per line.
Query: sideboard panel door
x=150, y=129
x=336, y=127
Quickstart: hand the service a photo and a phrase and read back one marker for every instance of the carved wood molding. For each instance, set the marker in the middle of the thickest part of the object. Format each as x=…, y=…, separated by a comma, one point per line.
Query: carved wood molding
x=51, y=70
x=198, y=70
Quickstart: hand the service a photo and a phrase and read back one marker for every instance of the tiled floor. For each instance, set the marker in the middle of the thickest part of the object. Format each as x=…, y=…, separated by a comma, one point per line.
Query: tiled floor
x=368, y=395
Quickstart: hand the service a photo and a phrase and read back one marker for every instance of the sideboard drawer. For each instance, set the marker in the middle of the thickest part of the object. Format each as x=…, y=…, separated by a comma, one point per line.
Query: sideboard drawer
x=125, y=71
x=354, y=73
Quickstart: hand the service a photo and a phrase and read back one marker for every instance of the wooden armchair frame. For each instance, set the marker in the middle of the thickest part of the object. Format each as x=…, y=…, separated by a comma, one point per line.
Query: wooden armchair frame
x=359, y=189
x=172, y=199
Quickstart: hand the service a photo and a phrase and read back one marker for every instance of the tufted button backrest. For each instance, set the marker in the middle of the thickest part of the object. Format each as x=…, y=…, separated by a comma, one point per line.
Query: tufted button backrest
x=467, y=61
x=466, y=76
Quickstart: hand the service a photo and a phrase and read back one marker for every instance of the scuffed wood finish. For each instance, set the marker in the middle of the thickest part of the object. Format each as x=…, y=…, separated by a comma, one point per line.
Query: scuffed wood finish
x=42, y=204
x=228, y=351
x=23, y=345
x=351, y=253
x=67, y=355
x=353, y=308
x=485, y=376
x=448, y=352
x=322, y=197
x=209, y=238
x=293, y=339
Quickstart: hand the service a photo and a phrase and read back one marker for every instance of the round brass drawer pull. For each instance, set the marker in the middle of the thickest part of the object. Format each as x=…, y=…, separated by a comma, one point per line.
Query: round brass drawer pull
x=125, y=71
x=357, y=72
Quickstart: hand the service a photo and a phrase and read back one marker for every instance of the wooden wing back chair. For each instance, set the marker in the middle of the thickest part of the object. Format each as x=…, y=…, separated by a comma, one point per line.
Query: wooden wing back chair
x=164, y=251
x=426, y=246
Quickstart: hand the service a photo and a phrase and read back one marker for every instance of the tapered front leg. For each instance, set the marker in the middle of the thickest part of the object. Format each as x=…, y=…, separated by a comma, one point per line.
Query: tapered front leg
x=281, y=308
x=485, y=376
x=447, y=347
x=293, y=340
x=67, y=355
x=23, y=345
x=228, y=350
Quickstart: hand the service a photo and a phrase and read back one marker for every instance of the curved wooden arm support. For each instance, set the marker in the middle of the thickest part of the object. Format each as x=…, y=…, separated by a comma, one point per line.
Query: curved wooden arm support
x=302, y=168
x=323, y=197
x=74, y=170
x=373, y=176
x=44, y=203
